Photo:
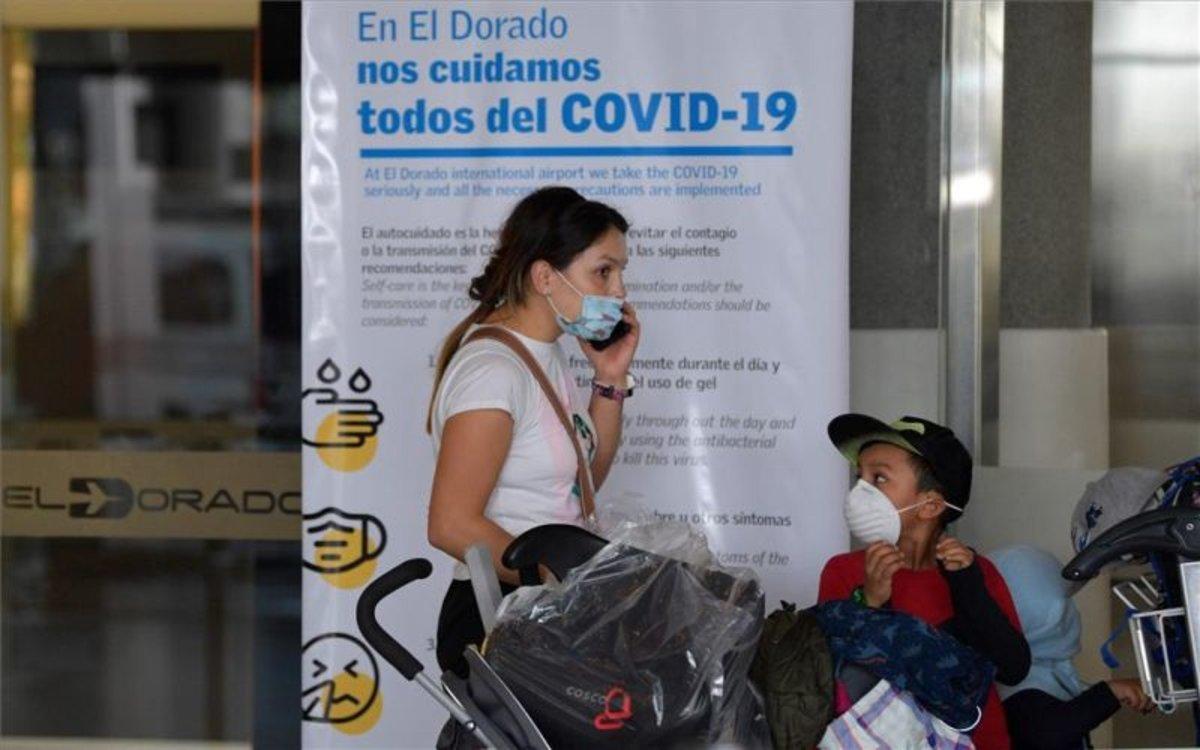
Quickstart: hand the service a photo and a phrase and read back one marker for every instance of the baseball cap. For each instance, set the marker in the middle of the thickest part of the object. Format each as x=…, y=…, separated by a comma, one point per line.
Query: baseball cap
x=947, y=457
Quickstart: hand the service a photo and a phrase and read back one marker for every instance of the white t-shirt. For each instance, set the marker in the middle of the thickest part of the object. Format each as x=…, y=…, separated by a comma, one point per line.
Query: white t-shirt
x=537, y=484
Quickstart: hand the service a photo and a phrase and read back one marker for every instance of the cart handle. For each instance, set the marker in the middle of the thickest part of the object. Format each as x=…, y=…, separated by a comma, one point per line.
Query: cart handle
x=1170, y=530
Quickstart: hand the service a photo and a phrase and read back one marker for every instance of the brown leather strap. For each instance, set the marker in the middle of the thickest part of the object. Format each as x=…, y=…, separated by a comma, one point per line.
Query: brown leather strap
x=584, y=475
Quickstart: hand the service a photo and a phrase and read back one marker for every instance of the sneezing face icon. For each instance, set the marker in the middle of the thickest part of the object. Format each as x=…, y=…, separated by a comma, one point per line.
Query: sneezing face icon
x=340, y=683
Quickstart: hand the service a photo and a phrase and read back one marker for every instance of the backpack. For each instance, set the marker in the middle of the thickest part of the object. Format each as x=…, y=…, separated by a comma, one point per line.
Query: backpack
x=793, y=669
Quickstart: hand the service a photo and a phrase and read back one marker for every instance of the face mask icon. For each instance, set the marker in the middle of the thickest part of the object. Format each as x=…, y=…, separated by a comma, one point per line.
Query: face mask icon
x=336, y=541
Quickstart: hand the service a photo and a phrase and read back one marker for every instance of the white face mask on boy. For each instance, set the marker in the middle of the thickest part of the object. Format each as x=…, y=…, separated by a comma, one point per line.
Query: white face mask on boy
x=871, y=516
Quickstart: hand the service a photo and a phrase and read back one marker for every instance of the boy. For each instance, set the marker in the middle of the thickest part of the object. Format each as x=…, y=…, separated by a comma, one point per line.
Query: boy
x=914, y=477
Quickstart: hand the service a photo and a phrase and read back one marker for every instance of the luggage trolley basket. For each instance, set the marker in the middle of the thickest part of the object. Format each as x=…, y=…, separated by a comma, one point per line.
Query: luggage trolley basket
x=632, y=649
x=1163, y=610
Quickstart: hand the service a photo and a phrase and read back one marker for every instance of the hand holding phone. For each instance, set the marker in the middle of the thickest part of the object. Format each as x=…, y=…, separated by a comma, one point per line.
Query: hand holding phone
x=618, y=331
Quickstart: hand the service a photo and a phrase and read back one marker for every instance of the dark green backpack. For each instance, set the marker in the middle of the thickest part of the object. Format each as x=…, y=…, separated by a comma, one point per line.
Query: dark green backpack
x=794, y=671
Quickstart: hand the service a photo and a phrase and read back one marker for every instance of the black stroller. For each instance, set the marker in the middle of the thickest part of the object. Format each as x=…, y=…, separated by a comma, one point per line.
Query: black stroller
x=635, y=649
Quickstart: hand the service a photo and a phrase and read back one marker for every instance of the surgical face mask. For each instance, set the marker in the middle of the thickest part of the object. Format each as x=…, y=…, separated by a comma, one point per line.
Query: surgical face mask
x=597, y=316
x=871, y=516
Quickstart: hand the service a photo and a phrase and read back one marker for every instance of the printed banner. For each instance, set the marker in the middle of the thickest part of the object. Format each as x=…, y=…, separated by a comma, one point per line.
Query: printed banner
x=720, y=130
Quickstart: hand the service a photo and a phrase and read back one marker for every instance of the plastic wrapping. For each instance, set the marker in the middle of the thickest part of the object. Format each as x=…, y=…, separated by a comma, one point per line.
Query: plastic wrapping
x=636, y=648
x=627, y=519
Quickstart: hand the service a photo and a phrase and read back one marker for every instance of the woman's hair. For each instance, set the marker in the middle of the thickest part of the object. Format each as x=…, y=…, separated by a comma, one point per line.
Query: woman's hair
x=553, y=224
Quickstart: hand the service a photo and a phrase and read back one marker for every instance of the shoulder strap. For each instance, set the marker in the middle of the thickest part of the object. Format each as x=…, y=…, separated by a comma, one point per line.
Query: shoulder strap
x=584, y=474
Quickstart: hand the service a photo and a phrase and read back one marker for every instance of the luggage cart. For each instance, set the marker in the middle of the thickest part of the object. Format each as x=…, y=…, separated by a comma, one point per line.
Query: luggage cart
x=1165, y=638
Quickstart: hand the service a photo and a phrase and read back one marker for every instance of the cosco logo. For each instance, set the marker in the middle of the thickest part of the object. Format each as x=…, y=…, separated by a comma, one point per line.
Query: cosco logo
x=586, y=696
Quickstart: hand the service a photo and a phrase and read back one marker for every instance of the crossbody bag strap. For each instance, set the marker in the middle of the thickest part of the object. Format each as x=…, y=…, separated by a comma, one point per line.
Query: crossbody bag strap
x=584, y=474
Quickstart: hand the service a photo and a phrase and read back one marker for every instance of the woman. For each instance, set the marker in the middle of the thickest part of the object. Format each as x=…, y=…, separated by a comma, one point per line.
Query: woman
x=505, y=461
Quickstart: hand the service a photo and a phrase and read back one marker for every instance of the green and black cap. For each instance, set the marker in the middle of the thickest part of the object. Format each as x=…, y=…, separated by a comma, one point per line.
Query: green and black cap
x=947, y=457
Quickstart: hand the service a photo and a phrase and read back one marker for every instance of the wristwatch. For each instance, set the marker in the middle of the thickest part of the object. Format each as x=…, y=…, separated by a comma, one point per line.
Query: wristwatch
x=612, y=391
x=859, y=596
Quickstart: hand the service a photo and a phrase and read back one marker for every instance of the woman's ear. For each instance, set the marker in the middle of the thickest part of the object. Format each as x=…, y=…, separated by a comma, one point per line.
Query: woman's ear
x=540, y=273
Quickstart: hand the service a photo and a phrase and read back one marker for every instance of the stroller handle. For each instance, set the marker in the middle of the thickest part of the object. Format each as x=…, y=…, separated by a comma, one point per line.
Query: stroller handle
x=558, y=546
x=1170, y=530
x=382, y=587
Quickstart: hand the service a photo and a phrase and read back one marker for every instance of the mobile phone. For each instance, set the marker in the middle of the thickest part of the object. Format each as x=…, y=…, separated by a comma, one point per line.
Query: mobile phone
x=619, y=330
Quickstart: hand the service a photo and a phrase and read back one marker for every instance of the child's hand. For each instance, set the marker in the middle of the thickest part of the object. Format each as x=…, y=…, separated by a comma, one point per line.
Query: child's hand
x=953, y=554
x=1130, y=694
x=883, y=560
